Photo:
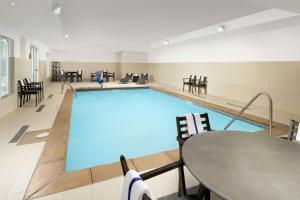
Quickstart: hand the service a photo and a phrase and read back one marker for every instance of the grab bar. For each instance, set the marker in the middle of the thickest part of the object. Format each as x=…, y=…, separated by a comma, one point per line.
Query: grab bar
x=62, y=88
x=248, y=104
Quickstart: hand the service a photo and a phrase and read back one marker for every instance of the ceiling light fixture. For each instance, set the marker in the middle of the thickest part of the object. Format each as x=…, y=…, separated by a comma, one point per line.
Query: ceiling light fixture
x=67, y=36
x=221, y=29
x=12, y=3
x=56, y=8
x=166, y=42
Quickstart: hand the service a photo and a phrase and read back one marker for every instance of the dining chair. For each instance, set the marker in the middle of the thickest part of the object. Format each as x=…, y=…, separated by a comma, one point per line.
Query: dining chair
x=183, y=135
x=188, y=82
x=156, y=172
x=24, y=93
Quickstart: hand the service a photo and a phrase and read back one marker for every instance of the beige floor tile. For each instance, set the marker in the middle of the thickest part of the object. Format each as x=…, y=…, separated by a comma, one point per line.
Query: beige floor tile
x=57, y=196
x=164, y=184
x=67, y=181
x=152, y=161
x=173, y=154
x=24, y=176
x=54, y=152
x=106, y=190
x=44, y=174
x=108, y=171
x=78, y=193
x=15, y=196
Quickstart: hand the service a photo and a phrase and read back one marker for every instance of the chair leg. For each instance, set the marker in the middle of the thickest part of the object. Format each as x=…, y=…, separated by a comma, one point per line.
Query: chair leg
x=181, y=184
x=20, y=99
x=183, y=87
x=203, y=192
x=206, y=194
x=36, y=99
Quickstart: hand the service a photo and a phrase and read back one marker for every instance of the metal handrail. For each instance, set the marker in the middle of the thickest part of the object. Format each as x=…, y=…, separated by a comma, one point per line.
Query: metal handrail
x=62, y=87
x=248, y=104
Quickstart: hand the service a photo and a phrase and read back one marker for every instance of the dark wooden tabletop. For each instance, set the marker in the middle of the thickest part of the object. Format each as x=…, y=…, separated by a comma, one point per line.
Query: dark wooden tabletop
x=245, y=166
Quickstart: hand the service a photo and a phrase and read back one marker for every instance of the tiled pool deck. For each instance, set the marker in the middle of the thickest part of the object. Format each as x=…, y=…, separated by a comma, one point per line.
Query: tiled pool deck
x=49, y=176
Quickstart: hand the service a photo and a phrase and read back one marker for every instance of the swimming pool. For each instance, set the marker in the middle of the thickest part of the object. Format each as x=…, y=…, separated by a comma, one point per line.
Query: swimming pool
x=133, y=122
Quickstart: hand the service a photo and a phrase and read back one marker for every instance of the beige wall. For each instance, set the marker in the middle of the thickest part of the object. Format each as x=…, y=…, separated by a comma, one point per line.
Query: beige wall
x=137, y=68
x=88, y=67
x=120, y=68
x=239, y=80
x=21, y=68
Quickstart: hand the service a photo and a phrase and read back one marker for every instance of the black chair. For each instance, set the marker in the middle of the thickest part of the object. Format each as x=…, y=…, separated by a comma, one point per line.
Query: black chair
x=183, y=135
x=143, y=79
x=293, y=130
x=93, y=76
x=111, y=75
x=189, y=82
x=79, y=76
x=156, y=172
x=63, y=76
x=35, y=86
x=200, y=84
x=126, y=79
x=24, y=93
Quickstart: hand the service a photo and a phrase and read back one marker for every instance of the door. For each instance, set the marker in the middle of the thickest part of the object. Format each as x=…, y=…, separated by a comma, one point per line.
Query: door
x=4, y=66
x=34, y=63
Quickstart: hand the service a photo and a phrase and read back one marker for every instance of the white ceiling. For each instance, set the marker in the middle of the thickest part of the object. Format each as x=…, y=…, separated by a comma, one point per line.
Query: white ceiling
x=115, y=25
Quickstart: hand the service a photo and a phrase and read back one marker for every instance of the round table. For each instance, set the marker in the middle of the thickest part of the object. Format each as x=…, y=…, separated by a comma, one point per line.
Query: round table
x=244, y=166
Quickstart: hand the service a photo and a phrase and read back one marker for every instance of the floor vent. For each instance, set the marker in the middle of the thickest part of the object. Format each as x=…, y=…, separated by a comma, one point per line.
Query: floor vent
x=40, y=108
x=19, y=134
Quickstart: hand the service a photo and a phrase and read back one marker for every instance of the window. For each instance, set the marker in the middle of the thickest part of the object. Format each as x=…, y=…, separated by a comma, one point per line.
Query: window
x=5, y=54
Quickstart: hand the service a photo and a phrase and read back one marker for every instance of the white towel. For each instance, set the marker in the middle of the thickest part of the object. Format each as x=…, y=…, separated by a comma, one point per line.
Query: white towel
x=134, y=187
x=194, y=123
x=298, y=134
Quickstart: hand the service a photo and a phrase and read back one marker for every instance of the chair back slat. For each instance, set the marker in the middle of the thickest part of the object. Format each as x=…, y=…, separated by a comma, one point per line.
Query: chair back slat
x=200, y=80
x=182, y=125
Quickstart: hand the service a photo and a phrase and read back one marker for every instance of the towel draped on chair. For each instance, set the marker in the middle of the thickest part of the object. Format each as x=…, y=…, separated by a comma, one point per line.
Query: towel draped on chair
x=194, y=123
x=134, y=187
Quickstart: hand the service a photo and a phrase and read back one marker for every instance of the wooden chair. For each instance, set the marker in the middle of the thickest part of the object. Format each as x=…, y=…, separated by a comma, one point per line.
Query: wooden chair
x=200, y=84
x=24, y=93
x=156, y=172
x=35, y=86
x=93, y=76
x=79, y=76
x=188, y=82
x=111, y=75
x=293, y=130
x=182, y=136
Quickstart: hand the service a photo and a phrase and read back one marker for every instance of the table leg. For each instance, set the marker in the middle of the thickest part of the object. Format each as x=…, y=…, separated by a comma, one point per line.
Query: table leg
x=203, y=193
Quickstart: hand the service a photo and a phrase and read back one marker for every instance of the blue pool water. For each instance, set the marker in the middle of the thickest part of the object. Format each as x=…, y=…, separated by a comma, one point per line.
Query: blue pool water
x=133, y=122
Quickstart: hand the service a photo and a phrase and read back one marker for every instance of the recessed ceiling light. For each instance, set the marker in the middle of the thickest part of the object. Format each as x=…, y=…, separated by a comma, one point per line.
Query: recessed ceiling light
x=56, y=8
x=67, y=36
x=221, y=29
x=12, y=3
x=166, y=42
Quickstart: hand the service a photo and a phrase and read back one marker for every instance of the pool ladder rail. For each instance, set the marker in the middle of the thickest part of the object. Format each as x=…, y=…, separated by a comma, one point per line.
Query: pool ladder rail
x=250, y=103
x=62, y=88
